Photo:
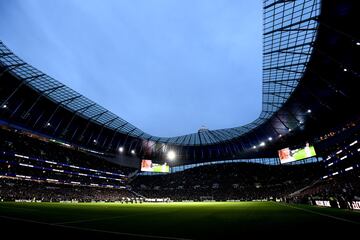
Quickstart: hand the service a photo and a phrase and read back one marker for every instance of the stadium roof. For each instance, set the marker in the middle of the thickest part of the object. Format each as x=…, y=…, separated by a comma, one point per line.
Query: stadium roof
x=310, y=78
x=290, y=29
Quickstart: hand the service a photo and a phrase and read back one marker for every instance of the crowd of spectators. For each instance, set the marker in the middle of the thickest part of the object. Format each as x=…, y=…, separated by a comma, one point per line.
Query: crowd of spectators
x=341, y=189
x=12, y=189
x=24, y=143
x=37, y=168
x=28, y=164
x=232, y=181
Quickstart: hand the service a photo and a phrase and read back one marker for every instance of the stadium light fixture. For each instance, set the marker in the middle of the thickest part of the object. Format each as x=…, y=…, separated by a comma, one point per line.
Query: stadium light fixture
x=289, y=129
x=345, y=70
x=121, y=149
x=348, y=169
x=280, y=135
x=270, y=138
x=254, y=147
x=309, y=111
x=48, y=124
x=94, y=141
x=262, y=144
x=357, y=43
x=4, y=106
x=171, y=155
x=133, y=151
x=353, y=143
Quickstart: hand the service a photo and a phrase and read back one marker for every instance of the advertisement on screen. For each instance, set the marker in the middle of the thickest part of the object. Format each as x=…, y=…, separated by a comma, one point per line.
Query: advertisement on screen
x=289, y=155
x=149, y=166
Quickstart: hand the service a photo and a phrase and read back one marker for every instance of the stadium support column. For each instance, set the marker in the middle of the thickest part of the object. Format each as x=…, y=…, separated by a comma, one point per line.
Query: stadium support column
x=24, y=82
x=9, y=68
x=59, y=104
x=73, y=117
x=16, y=109
x=127, y=136
x=116, y=130
x=41, y=95
x=103, y=125
x=89, y=121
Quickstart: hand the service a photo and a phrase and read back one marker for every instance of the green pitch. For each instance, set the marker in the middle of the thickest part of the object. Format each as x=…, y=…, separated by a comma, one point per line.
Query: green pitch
x=172, y=220
x=301, y=153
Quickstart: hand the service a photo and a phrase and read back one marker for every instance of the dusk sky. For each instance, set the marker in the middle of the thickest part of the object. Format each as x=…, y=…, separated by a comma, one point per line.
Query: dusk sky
x=166, y=66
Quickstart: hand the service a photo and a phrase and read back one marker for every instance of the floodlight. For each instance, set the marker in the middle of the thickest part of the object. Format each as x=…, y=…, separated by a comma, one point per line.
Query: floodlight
x=171, y=155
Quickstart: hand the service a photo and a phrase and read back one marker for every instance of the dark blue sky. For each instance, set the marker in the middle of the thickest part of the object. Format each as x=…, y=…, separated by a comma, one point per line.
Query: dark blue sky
x=166, y=66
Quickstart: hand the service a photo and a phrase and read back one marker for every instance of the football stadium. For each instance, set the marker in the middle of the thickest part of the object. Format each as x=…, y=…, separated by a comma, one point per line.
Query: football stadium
x=70, y=167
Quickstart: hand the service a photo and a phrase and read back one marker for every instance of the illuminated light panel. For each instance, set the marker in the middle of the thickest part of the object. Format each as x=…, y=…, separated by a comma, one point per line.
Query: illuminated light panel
x=23, y=176
x=353, y=143
x=348, y=169
x=338, y=152
x=344, y=157
x=335, y=173
x=51, y=180
x=21, y=156
x=26, y=165
x=50, y=162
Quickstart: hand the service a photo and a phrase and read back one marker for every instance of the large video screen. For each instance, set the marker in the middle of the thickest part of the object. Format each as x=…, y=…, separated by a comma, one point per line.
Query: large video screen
x=289, y=155
x=149, y=166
